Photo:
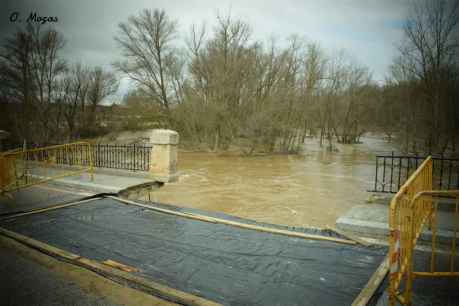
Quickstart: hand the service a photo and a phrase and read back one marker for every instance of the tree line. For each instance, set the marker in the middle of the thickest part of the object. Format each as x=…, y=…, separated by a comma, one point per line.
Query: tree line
x=43, y=97
x=422, y=95
x=227, y=88
x=221, y=87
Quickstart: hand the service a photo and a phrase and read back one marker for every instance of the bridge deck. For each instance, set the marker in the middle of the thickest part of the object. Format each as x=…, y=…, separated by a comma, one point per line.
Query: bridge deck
x=219, y=262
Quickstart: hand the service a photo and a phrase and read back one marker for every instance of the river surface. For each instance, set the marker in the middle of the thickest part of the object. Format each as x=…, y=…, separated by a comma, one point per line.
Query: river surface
x=311, y=189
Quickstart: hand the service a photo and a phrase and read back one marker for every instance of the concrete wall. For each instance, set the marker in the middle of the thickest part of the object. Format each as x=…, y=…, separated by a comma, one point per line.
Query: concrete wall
x=163, y=159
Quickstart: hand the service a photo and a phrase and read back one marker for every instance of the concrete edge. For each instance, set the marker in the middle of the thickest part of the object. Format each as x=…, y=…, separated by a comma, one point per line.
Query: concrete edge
x=373, y=284
x=259, y=228
x=166, y=179
x=97, y=188
x=138, y=174
x=113, y=274
x=63, y=182
x=349, y=236
x=122, y=172
x=381, y=230
x=366, y=228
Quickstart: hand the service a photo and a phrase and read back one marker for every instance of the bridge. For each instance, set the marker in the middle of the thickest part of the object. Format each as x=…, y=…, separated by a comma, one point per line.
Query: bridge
x=66, y=203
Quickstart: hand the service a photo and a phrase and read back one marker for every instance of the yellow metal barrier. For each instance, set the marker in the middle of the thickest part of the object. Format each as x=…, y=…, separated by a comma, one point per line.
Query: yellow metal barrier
x=400, y=239
x=410, y=209
x=21, y=169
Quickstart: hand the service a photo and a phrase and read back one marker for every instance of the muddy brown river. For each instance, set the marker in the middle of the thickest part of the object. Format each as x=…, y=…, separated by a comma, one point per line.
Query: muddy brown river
x=311, y=189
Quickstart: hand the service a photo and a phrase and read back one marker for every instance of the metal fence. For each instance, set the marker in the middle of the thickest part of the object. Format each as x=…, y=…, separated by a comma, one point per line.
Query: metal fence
x=127, y=157
x=7, y=145
x=392, y=170
x=133, y=157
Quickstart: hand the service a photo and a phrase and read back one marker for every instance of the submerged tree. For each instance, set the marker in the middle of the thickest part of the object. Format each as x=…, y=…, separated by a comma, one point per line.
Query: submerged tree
x=267, y=98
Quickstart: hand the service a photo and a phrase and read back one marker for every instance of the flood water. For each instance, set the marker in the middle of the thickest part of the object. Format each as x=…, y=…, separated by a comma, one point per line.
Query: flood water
x=311, y=189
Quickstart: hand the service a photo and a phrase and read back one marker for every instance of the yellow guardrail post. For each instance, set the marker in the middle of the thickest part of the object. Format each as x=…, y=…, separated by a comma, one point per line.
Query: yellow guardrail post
x=409, y=257
x=433, y=220
x=66, y=159
x=394, y=249
x=453, y=246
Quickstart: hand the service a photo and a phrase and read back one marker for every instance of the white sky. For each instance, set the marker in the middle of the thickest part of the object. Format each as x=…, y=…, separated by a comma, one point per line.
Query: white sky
x=367, y=29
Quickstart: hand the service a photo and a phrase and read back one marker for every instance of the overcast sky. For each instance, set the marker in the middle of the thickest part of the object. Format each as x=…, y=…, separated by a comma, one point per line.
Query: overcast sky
x=367, y=29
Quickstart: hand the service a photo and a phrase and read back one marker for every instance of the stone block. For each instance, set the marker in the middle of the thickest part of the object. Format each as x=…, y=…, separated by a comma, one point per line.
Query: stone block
x=163, y=160
x=164, y=137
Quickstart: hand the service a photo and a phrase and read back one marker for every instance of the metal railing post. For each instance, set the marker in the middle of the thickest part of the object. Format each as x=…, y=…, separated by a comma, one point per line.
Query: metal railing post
x=91, y=166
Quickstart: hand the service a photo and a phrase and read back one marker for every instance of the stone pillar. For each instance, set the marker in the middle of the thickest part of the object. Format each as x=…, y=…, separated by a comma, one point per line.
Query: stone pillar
x=163, y=159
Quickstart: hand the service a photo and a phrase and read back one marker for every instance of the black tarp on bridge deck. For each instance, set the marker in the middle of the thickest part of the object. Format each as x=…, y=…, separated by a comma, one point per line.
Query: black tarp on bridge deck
x=219, y=262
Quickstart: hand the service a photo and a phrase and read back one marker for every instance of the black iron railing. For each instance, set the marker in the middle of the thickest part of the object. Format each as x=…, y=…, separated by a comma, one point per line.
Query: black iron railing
x=392, y=170
x=135, y=157
x=9, y=145
x=128, y=157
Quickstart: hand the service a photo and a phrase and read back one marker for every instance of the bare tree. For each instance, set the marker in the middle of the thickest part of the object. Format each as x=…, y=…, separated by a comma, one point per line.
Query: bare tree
x=311, y=83
x=48, y=66
x=16, y=69
x=231, y=89
x=218, y=70
x=145, y=41
x=73, y=94
x=30, y=65
x=429, y=57
x=101, y=85
x=353, y=105
x=267, y=97
x=48, y=101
